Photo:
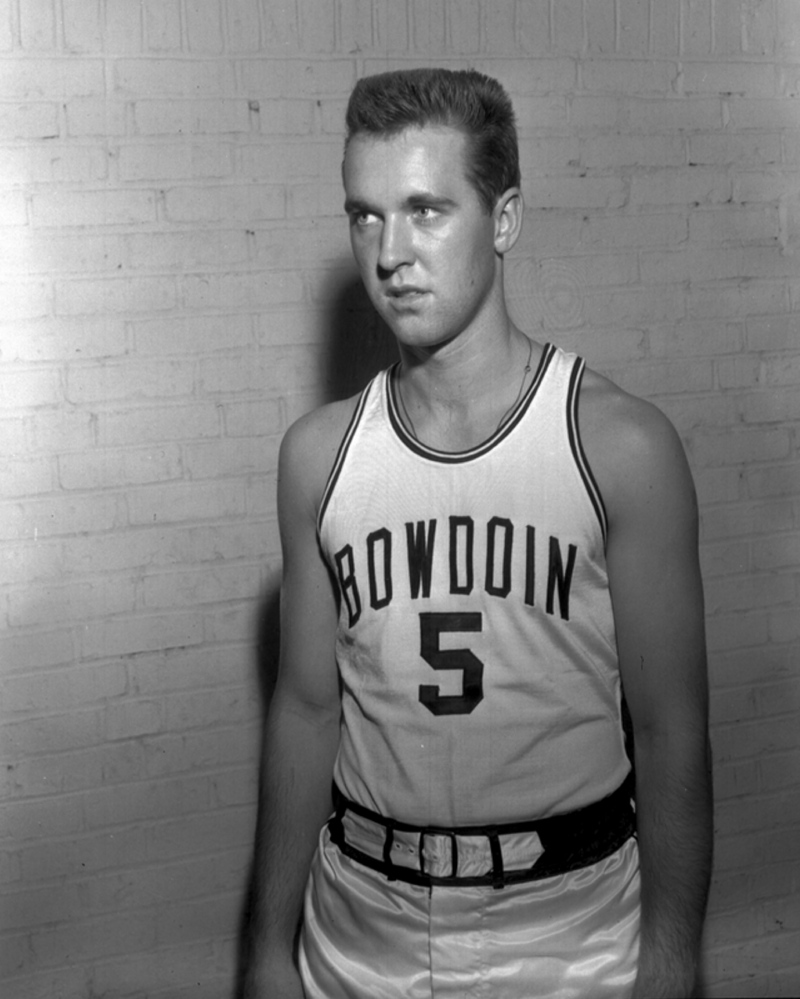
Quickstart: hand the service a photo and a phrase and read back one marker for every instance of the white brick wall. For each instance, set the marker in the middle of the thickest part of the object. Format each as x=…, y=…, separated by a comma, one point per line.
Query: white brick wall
x=176, y=289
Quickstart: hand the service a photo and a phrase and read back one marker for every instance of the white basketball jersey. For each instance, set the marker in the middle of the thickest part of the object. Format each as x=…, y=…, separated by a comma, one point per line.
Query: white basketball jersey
x=476, y=644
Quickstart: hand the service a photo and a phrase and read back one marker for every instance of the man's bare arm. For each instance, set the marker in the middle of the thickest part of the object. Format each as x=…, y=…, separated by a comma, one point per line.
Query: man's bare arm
x=657, y=597
x=302, y=728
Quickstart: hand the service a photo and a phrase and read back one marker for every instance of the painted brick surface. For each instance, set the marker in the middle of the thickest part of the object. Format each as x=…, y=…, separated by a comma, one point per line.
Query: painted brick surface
x=174, y=268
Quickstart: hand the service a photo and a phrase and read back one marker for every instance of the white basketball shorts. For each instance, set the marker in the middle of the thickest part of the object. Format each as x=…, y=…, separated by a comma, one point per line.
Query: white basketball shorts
x=573, y=935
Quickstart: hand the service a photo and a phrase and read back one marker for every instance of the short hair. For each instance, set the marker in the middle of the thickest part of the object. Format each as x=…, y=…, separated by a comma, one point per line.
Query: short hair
x=477, y=105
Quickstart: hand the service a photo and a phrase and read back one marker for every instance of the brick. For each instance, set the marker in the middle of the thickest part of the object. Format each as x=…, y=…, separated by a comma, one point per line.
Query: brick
x=40, y=518
x=55, y=430
x=222, y=458
x=204, y=26
x=172, y=162
x=733, y=224
x=53, y=690
x=53, y=164
x=537, y=114
x=197, y=117
x=37, y=26
x=293, y=118
x=766, y=114
x=118, y=806
x=523, y=76
x=696, y=21
x=778, y=772
x=156, y=674
x=39, y=606
x=729, y=595
x=28, y=121
x=91, y=297
x=391, y=25
x=773, y=332
x=665, y=29
x=740, y=667
x=739, y=632
x=6, y=34
x=464, y=26
x=297, y=160
x=33, y=651
x=601, y=19
x=51, y=79
x=188, y=589
x=567, y=26
x=242, y=203
x=297, y=78
x=724, y=559
x=21, y=389
x=427, y=26
x=754, y=188
x=243, y=27
x=731, y=706
x=728, y=300
x=160, y=968
x=182, y=251
x=574, y=192
x=779, y=480
x=162, y=25
x=316, y=200
x=533, y=26
x=186, y=501
x=93, y=208
x=208, y=709
x=123, y=27
x=104, y=469
x=26, y=299
x=742, y=150
x=142, y=633
x=740, y=447
x=317, y=26
x=739, y=520
x=253, y=419
x=635, y=231
x=82, y=27
x=242, y=290
x=37, y=253
x=621, y=77
x=781, y=370
x=93, y=117
x=673, y=113
x=201, y=334
x=771, y=407
x=595, y=113
x=753, y=80
x=26, y=476
x=784, y=626
x=13, y=212
x=702, y=339
x=735, y=781
x=679, y=186
x=632, y=150
x=157, y=424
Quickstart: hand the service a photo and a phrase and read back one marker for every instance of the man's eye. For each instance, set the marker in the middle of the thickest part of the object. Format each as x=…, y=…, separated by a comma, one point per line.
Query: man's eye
x=362, y=218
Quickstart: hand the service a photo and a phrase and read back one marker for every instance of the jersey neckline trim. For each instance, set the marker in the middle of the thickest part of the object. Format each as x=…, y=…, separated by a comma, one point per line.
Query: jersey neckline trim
x=456, y=457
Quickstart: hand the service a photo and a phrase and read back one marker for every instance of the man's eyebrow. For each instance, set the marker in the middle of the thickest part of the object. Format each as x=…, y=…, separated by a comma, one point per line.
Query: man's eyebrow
x=354, y=205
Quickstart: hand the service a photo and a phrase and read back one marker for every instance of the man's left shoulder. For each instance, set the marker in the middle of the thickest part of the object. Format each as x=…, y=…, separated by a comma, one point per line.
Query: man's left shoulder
x=633, y=449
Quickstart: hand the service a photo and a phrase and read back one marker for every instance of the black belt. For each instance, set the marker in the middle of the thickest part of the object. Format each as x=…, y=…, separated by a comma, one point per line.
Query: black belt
x=565, y=842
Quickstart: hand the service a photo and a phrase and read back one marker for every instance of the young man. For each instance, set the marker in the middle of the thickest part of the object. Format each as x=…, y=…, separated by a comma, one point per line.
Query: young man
x=480, y=551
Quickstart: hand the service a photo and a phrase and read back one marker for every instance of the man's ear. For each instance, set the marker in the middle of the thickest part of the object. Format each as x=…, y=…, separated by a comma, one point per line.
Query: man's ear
x=507, y=214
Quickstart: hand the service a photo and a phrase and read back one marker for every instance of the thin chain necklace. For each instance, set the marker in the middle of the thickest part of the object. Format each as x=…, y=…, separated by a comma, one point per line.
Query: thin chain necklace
x=503, y=418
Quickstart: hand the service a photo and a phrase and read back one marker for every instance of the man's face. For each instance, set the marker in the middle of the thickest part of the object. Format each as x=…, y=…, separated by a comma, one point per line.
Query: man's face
x=423, y=241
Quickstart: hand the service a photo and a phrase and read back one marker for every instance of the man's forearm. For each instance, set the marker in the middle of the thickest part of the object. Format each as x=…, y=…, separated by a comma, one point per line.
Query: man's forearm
x=675, y=823
x=295, y=801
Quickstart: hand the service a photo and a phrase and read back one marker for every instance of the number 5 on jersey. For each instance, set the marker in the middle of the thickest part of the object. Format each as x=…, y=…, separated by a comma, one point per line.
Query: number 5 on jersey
x=431, y=628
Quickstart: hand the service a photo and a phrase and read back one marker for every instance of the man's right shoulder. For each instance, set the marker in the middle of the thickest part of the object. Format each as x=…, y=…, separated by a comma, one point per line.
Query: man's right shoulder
x=310, y=445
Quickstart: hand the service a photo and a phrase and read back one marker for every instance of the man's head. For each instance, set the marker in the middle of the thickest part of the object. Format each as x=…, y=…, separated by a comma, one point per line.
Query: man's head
x=476, y=105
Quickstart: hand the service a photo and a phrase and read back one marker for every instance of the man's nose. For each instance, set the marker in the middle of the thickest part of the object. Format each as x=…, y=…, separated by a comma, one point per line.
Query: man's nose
x=396, y=247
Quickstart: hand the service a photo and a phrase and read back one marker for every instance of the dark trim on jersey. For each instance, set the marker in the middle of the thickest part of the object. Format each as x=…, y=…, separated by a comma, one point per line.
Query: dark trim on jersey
x=573, y=430
x=341, y=454
x=457, y=457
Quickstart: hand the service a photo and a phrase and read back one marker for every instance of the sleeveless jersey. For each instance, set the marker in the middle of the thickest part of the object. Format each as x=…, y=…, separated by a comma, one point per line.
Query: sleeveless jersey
x=475, y=643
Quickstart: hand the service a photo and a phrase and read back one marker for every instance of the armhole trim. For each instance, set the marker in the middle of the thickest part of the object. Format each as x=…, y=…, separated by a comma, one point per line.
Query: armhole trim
x=341, y=455
x=576, y=445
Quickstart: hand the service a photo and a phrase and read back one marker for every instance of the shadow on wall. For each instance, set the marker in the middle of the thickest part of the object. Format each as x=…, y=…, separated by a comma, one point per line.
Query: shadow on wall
x=357, y=346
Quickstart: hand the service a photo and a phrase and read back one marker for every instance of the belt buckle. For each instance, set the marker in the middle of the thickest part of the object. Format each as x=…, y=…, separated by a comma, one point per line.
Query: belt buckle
x=452, y=837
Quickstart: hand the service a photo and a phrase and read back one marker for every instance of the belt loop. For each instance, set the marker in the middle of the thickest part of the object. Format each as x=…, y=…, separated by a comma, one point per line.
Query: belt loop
x=498, y=875
x=335, y=826
x=387, y=853
x=454, y=854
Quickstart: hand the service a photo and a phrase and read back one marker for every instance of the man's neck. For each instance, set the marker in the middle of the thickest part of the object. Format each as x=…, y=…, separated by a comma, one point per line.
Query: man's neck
x=459, y=395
